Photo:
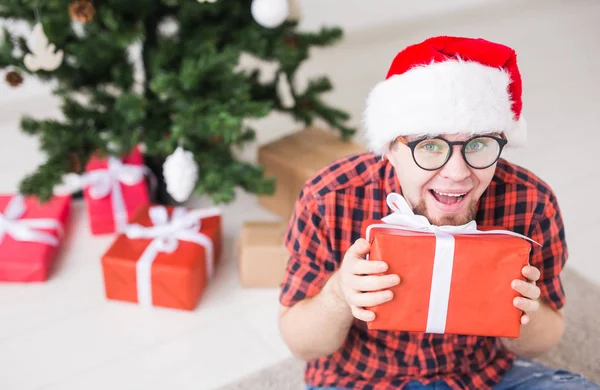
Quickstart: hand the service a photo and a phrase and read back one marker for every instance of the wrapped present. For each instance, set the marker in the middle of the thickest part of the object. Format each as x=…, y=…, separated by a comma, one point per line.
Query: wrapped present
x=114, y=189
x=262, y=257
x=30, y=234
x=164, y=258
x=454, y=279
x=296, y=158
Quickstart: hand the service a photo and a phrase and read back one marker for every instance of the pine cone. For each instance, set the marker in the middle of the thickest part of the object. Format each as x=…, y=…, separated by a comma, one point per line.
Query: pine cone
x=82, y=11
x=14, y=78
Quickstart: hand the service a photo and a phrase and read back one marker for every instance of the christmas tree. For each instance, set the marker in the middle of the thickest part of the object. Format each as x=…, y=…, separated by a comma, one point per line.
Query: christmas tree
x=183, y=91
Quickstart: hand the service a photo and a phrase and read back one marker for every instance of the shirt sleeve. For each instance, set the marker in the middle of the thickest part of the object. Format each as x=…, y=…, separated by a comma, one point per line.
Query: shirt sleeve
x=311, y=261
x=551, y=257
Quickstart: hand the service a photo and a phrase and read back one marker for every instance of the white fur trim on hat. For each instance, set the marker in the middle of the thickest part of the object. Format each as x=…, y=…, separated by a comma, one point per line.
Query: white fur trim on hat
x=448, y=97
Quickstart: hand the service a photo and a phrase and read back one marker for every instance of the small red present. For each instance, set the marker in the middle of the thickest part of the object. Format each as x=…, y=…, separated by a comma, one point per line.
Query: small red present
x=165, y=258
x=114, y=190
x=454, y=279
x=30, y=234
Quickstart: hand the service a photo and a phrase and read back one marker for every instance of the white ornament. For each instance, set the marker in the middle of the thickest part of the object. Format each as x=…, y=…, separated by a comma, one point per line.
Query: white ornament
x=207, y=1
x=180, y=172
x=270, y=13
x=284, y=90
x=43, y=54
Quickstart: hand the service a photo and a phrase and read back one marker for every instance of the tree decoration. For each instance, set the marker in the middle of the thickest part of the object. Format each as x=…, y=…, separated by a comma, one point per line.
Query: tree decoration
x=82, y=11
x=13, y=78
x=180, y=172
x=270, y=13
x=44, y=55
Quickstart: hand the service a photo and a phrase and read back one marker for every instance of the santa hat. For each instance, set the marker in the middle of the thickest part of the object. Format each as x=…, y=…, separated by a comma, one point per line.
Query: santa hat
x=447, y=85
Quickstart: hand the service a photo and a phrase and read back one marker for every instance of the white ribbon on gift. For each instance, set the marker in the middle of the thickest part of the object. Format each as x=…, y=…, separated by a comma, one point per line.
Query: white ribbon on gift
x=25, y=229
x=165, y=234
x=102, y=182
x=403, y=218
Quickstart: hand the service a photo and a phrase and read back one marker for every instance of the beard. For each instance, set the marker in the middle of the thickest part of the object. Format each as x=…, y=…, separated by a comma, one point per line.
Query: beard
x=452, y=220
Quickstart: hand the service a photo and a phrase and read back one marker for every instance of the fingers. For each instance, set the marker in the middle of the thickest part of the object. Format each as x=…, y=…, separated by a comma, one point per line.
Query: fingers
x=362, y=314
x=359, y=249
x=370, y=299
x=366, y=267
x=358, y=301
x=362, y=282
x=531, y=273
x=528, y=290
x=373, y=283
x=530, y=293
x=526, y=305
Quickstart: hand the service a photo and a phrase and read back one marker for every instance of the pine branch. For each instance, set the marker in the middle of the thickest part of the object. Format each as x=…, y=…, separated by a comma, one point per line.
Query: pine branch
x=328, y=36
x=6, y=49
x=42, y=182
x=220, y=180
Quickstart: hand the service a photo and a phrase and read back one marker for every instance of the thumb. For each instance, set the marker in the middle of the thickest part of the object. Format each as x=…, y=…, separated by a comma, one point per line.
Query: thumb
x=360, y=248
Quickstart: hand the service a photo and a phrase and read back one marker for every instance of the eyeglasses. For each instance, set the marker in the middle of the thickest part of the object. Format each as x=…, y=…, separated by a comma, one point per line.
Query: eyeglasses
x=479, y=152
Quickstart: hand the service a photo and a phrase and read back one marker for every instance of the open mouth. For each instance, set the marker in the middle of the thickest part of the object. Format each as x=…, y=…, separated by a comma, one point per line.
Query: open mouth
x=448, y=198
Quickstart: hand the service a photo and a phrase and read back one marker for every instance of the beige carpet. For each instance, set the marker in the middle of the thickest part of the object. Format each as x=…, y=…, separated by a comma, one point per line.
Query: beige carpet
x=578, y=351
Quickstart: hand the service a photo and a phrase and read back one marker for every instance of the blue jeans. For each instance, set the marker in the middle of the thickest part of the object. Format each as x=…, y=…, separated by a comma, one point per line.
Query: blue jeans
x=525, y=375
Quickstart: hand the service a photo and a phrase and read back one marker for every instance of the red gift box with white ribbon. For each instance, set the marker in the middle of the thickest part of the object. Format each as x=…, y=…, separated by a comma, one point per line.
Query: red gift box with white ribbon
x=454, y=279
x=30, y=236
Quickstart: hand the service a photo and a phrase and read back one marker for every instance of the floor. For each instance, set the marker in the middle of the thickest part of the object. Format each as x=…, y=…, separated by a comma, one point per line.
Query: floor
x=64, y=335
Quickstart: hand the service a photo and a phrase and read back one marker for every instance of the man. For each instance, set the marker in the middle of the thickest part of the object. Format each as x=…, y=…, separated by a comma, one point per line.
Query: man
x=436, y=126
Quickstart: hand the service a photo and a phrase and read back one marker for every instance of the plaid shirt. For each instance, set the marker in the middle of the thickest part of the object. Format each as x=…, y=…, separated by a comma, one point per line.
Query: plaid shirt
x=328, y=219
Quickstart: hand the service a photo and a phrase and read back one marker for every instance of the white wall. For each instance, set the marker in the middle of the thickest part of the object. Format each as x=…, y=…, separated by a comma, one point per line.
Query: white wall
x=354, y=15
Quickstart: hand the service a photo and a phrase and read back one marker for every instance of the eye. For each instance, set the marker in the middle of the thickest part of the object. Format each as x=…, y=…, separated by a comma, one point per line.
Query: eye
x=430, y=146
x=475, y=145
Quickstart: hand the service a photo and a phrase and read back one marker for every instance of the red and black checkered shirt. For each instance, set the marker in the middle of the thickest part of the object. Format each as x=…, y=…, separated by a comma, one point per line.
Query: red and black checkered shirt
x=328, y=218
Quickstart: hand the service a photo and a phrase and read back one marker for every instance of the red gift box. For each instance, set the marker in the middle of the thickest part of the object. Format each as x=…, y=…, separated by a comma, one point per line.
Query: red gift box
x=116, y=191
x=454, y=279
x=165, y=258
x=30, y=233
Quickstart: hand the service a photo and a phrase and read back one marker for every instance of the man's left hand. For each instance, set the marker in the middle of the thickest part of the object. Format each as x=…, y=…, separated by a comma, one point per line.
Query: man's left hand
x=528, y=301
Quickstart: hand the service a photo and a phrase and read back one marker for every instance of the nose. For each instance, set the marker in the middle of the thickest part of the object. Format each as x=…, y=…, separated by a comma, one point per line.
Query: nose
x=456, y=169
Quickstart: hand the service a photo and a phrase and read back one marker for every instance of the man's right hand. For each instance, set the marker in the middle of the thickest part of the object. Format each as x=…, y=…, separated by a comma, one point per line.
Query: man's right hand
x=360, y=282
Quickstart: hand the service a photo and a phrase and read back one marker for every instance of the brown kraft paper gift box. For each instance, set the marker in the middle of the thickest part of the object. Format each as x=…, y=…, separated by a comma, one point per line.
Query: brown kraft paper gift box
x=262, y=254
x=296, y=158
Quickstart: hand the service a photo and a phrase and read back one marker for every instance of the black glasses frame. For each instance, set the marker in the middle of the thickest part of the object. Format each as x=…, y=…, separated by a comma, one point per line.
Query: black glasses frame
x=413, y=144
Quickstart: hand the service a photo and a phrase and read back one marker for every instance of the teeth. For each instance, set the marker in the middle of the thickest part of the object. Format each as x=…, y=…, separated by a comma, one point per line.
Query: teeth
x=454, y=195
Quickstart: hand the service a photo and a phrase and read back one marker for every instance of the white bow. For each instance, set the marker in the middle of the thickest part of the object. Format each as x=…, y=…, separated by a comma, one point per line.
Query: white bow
x=102, y=181
x=404, y=218
x=25, y=229
x=165, y=234
x=183, y=225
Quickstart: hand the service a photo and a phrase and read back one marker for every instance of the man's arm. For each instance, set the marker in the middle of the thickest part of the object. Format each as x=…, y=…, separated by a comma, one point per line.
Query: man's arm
x=542, y=295
x=542, y=326
x=543, y=332
x=316, y=326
